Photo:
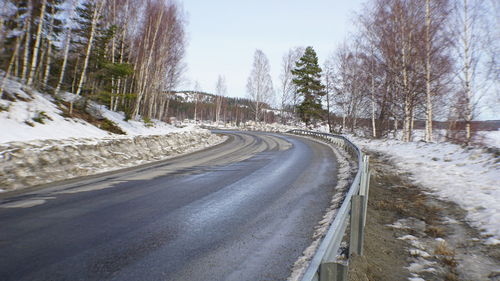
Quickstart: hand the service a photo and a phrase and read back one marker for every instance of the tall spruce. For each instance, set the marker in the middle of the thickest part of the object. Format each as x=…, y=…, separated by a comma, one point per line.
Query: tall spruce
x=308, y=81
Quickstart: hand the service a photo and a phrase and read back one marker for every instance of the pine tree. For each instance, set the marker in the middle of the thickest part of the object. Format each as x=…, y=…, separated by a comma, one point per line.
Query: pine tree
x=14, y=32
x=51, y=30
x=308, y=81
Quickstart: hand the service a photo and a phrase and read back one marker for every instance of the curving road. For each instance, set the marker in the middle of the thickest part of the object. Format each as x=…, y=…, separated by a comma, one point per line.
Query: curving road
x=243, y=210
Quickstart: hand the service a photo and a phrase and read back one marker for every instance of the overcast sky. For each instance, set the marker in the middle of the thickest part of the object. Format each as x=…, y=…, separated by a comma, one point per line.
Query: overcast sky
x=224, y=34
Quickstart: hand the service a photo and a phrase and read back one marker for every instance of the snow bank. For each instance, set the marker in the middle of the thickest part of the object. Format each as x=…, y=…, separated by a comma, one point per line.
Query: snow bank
x=38, y=162
x=467, y=176
x=39, y=145
x=253, y=126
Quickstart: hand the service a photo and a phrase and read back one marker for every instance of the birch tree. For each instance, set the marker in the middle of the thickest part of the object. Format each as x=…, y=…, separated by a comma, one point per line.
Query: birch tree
x=97, y=9
x=259, y=84
x=288, y=89
x=221, y=92
x=36, y=47
x=469, y=54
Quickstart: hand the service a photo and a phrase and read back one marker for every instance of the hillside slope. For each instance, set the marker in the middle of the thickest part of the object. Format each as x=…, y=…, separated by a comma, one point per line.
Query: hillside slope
x=27, y=114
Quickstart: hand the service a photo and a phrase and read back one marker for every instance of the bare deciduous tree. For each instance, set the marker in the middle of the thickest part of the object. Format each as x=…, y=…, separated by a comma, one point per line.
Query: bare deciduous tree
x=289, y=96
x=221, y=92
x=259, y=84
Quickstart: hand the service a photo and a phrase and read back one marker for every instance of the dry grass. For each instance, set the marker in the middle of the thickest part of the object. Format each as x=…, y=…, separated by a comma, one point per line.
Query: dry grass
x=383, y=205
x=435, y=231
x=451, y=276
x=442, y=249
x=450, y=261
x=398, y=207
x=446, y=255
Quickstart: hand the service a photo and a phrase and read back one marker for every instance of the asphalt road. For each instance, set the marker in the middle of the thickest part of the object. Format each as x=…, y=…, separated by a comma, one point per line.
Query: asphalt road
x=243, y=210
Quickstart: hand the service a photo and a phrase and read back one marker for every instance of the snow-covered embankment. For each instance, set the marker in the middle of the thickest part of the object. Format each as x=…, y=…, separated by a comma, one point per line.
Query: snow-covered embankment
x=44, y=161
x=468, y=176
x=41, y=144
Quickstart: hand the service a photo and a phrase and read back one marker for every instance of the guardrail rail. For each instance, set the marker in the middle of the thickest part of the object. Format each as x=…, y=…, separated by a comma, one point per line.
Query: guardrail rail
x=325, y=264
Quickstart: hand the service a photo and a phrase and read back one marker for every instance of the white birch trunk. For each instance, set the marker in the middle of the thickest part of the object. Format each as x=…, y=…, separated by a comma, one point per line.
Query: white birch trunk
x=46, y=74
x=64, y=63
x=27, y=38
x=95, y=17
x=144, y=79
x=428, y=123
x=36, y=48
x=374, y=130
x=195, y=107
x=467, y=76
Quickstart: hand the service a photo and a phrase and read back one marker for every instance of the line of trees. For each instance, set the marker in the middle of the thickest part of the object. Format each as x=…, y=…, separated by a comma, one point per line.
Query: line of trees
x=202, y=107
x=124, y=53
x=408, y=62
x=416, y=60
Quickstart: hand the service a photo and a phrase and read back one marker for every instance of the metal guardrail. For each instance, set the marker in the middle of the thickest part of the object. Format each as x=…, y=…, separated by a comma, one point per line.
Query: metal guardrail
x=325, y=264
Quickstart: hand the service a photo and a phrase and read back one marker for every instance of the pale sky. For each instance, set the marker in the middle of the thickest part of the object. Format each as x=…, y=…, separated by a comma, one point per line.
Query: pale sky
x=224, y=34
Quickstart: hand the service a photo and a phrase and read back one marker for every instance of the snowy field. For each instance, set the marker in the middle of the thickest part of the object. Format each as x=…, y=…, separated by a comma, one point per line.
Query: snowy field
x=467, y=176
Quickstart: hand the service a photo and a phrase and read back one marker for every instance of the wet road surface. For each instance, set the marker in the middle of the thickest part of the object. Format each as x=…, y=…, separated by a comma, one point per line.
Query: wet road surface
x=243, y=210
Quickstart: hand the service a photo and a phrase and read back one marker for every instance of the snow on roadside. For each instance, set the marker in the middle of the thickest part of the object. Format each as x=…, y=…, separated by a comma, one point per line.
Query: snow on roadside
x=17, y=119
x=467, y=176
x=135, y=128
x=253, y=126
x=345, y=173
x=491, y=138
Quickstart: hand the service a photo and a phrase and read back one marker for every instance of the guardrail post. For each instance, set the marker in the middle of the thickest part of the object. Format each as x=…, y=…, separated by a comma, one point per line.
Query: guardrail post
x=357, y=225
x=366, y=186
x=332, y=271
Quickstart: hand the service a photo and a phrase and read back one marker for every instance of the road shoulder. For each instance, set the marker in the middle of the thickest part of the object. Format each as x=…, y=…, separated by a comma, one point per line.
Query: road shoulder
x=412, y=235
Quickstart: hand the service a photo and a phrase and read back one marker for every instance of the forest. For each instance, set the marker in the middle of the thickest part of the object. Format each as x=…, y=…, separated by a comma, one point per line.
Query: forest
x=126, y=54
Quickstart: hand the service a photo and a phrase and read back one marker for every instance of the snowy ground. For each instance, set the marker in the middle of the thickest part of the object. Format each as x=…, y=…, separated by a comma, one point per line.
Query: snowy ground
x=18, y=119
x=467, y=176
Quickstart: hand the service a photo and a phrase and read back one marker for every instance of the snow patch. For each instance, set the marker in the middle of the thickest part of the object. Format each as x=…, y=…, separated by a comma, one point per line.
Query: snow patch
x=469, y=176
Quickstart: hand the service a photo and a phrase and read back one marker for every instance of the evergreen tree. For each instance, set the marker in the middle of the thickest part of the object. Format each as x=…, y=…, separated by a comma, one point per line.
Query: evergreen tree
x=14, y=30
x=308, y=81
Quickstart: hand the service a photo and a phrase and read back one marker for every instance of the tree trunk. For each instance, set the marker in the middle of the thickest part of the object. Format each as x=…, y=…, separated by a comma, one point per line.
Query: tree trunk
x=374, y=129
x=11, y=63
x=47, y=63
x=95, y=17
x=428, y=123
x=467, y=74
x=257, y=104
x=328, y=104
x=64, y=63
x=27, y=38
x=195, y=107
x=36, y=48
x=145, y=70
